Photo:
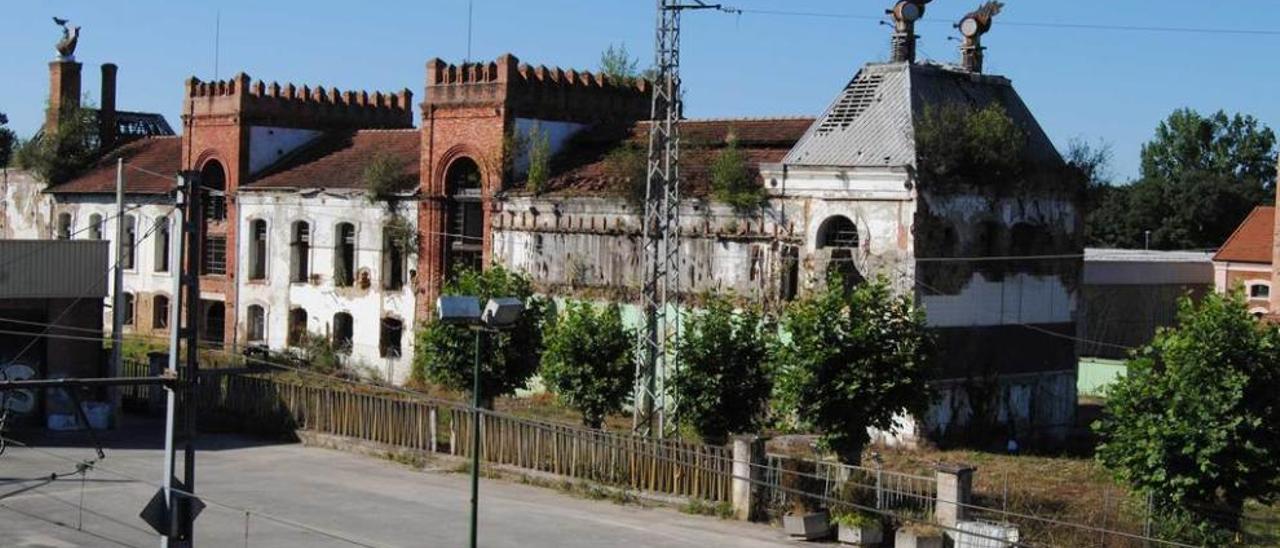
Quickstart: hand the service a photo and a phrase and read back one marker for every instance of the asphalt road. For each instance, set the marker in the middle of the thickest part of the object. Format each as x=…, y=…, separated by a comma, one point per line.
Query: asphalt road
x=298, y=496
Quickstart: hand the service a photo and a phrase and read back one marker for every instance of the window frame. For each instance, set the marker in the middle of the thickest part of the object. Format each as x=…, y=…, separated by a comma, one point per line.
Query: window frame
x=301, y=257
x=261, y=324
x=259, y=251
x=337, y=253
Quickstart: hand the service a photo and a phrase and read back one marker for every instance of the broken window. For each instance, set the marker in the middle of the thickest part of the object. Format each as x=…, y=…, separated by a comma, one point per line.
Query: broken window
x=344, y=255
x=465, y=228
x=162, y=244
x=129, y=242
x=126, y=308
x=258, y=250
x=95, y=227
x=160, y=312
x=393, y=261
x=297, y=326
x=214, y=259
x=300, y=252
x=64, y=226
x=790, y=273
x=257, y=332
x=342, y=332
x=213, y=184
x=389, y=340
x=215, y=321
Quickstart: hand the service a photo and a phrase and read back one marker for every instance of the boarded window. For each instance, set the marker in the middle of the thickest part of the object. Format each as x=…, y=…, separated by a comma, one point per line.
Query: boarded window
x=64, y=226
x=343, y=329
x=258, y=250
x=300, y=252
x=162, y=244
x=130, y=242
x=126, y=308
x=389, y=340
x=297, y=326
x=257, y=324
x=344, y=255
x=95, y=227
x=160, y=312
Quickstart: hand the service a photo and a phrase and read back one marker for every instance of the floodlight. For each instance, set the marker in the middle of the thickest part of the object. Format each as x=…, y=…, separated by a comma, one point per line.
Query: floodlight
x=458, y=310
x=502, y=312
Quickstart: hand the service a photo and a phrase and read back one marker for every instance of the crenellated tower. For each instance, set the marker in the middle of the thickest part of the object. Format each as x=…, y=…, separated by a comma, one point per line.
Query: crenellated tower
x=469, y=111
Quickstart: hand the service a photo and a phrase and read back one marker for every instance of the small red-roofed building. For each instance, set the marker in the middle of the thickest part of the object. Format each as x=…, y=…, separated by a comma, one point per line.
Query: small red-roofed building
x=1246, y=261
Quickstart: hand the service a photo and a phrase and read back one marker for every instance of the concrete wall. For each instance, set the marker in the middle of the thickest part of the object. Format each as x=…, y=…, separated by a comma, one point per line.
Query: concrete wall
x=267, y=145
x=25, y=211
x=367, y=303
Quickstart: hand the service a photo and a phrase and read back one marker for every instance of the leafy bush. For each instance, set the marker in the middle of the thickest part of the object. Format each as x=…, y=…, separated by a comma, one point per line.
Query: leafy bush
x=732, y=181
x=60, y=155
x=539, y=159
x=628, y=166
x=507, y=359
x=401, y=234
x=1196, y=419
x=852, y=359
x=724, y=380
x=961, y=141
x=588, y=360
x=385, y=178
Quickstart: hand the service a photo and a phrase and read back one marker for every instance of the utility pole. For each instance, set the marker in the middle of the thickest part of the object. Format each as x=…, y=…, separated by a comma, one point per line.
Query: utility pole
x=184, y=514
x=660, y=294
x=175, y=324
x=117, y=301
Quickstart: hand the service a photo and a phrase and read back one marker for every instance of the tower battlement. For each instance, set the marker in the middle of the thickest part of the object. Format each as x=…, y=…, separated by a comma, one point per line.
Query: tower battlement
x=537, y=92
x=259, y=103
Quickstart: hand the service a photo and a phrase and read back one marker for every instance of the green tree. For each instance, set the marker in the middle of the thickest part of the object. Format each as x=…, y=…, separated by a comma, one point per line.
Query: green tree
x=1196, y=420
x=958, y=141
x=732, y=181
x=588, y=360
x=60, y=155
x=7, y=140
x=618, y=65
x=724, y=380
x=852, y=359
x=539, y=150
x=1200, y=178
x=508, y=359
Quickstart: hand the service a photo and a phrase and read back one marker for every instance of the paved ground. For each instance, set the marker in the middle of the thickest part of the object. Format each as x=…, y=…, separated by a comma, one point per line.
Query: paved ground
x=345, y=499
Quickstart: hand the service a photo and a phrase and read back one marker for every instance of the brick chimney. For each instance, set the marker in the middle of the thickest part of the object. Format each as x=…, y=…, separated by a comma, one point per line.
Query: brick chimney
x=972, y=27
x=64, y=92
x=905, y=14
x=107, y=110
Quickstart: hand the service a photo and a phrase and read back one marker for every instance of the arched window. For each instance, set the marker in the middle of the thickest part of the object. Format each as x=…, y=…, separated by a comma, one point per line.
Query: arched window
x=127, y=308
x=344, y=255
x=130, y=242
x=258, y=249
x=1260, y=291
x=297, y=326
x=300, y=252
x=160, y=312
x=64, y=226
x=162, y=244
x=257, y=328
x=213, y=238
x=213, y=186
x=343, y=329
x=215, y=321
x=839, y=235
x=465, y=240
x=95, y=227
x=389, y=339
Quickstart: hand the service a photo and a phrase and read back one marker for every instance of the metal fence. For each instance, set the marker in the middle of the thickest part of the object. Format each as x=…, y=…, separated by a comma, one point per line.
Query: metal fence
x=908, y=494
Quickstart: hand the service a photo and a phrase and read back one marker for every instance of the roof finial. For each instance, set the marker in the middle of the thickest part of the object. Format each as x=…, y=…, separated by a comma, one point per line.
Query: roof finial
x=70, y=36
x=973, y=26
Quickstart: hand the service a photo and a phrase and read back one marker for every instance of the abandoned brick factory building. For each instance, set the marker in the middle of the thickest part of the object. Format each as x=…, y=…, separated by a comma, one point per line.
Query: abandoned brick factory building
x=293, y=244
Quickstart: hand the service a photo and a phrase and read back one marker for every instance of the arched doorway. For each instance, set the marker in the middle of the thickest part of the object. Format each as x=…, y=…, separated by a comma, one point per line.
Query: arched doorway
x=838, y=239
x=465, y=223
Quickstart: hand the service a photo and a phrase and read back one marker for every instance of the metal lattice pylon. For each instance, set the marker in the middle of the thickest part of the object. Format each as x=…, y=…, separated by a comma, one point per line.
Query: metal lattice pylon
x=660, y=294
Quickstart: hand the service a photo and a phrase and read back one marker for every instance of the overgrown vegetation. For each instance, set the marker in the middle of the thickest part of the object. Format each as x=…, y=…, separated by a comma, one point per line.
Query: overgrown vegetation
x=724, y=381
x=7, y=141
x=401, y=234
x=508, y=359
x=617, y=64
x=386, y=179
x=852, y=359
x=539, y=152
x=731, y=179
x=627, y=165
x=587, y=360
x=961, y=143
x=1196, y=420
x=59, y=155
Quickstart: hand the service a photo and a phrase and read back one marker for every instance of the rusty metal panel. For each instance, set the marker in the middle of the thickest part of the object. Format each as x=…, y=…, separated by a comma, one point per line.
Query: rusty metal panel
x=50, y=269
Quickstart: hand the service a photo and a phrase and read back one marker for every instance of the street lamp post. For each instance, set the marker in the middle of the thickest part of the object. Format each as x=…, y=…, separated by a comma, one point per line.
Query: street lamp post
x=498, y=314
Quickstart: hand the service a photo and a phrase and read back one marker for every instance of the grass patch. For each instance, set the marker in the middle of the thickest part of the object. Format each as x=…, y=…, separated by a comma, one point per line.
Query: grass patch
x=699, y=507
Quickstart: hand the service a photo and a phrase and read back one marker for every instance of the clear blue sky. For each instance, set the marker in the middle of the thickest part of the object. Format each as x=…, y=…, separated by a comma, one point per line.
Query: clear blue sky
x=1094, y=84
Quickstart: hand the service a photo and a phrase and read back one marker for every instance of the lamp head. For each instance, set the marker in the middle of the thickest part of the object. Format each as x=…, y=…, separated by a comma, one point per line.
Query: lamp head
x=458, y=310
x=502, y=312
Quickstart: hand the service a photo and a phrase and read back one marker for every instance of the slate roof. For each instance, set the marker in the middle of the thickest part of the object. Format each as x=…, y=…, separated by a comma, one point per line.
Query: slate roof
x=158, y=155
x=338, y=160
x=1253, y=241
x=871, y=122
x=581, y=167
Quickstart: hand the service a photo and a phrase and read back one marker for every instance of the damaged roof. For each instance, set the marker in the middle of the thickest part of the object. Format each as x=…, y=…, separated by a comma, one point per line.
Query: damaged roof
x=583, y=166
x=156, y=155
x=871, y=123
x=1253, y=241
x=339, y=159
